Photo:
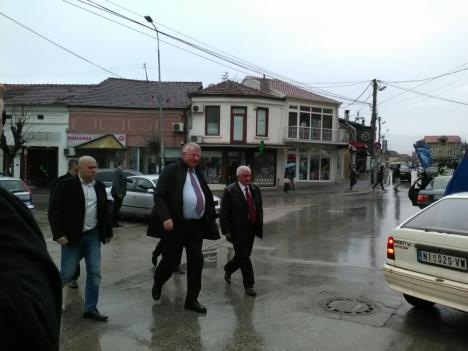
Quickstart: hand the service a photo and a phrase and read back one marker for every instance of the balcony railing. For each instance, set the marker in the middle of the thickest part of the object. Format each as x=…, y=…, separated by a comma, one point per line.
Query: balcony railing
x=322, y=135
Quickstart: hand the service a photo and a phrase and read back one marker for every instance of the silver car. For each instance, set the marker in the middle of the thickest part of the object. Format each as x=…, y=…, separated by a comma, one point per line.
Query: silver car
x=139, y=199
x=18, y=188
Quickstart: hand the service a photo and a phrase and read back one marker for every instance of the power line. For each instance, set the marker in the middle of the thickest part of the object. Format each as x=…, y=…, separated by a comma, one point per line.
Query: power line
x=427, y=95
x=367, y=87
x=60, y=46
x=219, y=56
x=431, y=78
x=153, y=37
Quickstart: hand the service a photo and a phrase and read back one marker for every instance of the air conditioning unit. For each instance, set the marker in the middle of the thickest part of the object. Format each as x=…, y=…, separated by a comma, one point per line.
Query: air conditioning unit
x=69, y=151
x=196, y=139
x=197, y=108
x=177, y=127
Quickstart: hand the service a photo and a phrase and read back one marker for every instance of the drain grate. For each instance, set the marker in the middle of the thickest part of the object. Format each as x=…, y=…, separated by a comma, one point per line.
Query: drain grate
x=348, y=306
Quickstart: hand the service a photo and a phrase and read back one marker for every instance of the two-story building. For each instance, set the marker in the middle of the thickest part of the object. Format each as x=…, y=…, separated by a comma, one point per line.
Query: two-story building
x=445, y=149
x=296, y=128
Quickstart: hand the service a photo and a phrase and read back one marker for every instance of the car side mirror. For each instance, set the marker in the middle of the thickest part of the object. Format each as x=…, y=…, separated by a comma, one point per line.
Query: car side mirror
x=151, y=191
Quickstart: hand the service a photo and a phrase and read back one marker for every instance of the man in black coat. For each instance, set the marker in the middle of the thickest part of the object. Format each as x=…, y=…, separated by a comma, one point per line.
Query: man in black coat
x=30, y=293
x=118, y=191
x=241, y=219
x=72, y=172
x=80, y=223
x=183, y=215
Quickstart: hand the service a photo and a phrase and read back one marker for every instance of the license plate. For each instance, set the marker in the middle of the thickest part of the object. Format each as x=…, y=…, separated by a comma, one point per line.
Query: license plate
x=437, y=197
x=442, y=260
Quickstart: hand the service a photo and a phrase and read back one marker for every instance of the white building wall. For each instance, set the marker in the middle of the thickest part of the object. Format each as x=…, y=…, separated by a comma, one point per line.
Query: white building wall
x=48, y=132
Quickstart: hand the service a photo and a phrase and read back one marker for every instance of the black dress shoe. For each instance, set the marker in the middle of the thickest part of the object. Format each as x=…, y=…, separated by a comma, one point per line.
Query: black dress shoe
x=227, y=277
x=250, y=292
x=156, y=292
x=95, y=315
x=196, y=306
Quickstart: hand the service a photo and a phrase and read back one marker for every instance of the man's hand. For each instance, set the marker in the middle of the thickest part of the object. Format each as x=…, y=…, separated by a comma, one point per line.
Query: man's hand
x=168, y=225
x=228, y=236
x=63, y=241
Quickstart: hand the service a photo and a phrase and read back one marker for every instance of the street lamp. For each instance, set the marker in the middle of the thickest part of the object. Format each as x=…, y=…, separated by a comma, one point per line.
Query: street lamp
x=161, y=138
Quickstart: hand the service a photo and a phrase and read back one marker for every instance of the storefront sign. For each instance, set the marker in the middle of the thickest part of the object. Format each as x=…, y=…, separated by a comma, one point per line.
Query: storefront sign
x=75, y=139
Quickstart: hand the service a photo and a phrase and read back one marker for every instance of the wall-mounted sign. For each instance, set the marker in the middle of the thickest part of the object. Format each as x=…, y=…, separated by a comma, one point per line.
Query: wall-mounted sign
x=75, y=139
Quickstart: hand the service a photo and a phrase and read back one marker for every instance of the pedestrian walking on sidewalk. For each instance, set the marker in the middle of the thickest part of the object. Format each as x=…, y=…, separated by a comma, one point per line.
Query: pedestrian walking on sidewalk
x=380, y=176
x=241, y=219
x=80, y=226
x=353, y=177
x=183, y=215
x=118, y=191
x=396, y=178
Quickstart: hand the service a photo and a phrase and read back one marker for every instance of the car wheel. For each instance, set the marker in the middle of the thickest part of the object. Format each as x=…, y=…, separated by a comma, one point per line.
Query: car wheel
x=417, y=302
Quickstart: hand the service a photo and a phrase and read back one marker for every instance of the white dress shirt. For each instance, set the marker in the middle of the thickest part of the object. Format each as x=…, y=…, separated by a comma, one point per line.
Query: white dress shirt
x=190, y=198
x=90, y=219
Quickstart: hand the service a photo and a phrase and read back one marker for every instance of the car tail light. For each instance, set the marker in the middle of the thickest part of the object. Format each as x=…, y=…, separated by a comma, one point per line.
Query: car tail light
x=25, y=186
x=423, y=198
x=390, y=248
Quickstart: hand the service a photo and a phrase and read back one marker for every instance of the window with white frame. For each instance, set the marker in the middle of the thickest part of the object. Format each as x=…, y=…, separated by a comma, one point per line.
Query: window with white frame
x=262, y=122
x=212, y=120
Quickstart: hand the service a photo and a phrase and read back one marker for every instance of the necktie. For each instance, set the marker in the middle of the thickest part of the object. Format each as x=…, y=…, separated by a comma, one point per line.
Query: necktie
x=250, y=205
x=198, y=193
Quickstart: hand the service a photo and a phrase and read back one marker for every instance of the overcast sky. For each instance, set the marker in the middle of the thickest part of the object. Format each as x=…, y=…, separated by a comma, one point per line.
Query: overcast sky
x=321, y=43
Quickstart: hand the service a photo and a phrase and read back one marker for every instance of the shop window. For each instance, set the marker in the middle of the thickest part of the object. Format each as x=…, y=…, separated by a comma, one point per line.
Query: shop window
x=263, y=169
x=211, y=166
x=315, y=167
x=303, y=165
x=212, y=118
x=262, y=122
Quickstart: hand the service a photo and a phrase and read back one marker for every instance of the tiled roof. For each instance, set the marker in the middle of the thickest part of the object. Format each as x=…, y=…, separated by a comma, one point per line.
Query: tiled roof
x=293, y=91
x=42, y=94
x=114, y=92
x=435, y=139
x=231, y=88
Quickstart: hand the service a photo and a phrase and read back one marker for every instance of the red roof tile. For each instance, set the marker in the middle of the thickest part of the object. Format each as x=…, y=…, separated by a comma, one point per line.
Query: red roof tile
x=435, y=139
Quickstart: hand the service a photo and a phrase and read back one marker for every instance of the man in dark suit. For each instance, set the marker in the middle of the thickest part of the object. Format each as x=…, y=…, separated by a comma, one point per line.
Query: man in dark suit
x=80, y=223
x=72, y=172
x=241, y=219
x=118, y=192
x=30, y=293
x=183, y=215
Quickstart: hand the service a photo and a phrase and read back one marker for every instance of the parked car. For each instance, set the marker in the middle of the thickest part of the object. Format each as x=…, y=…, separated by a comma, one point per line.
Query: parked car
x=139, y=199
x=19, y=188
x=106, y=175
x=427, y=255
x=434, y=191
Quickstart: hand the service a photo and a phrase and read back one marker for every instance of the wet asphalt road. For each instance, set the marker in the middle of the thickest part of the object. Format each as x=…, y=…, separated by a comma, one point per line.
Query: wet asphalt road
x=320, y=251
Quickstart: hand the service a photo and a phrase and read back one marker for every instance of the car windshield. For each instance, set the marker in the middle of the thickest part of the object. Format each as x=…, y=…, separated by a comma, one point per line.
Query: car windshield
x=445, y=216
x=441, y=182
x=13, y=186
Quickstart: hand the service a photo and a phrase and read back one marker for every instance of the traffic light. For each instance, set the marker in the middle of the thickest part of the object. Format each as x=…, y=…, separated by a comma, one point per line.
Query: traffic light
x=261, y=147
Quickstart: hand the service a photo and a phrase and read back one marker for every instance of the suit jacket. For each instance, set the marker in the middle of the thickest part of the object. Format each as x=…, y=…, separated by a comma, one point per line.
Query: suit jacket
x=52, y=190
x=30, y=287
x=119, y=183
x=233, y=217
x=67, y=211
x=168, y=203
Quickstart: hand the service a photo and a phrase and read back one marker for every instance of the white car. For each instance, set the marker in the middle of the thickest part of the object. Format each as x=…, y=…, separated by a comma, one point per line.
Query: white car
x=427, y=255
x=140, y=193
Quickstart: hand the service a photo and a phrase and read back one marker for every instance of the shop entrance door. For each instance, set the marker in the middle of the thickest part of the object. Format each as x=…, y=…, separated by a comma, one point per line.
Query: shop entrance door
x=234, y=160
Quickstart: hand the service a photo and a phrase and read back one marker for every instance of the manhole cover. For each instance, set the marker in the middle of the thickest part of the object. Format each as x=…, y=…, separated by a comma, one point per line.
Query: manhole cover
x=348, y=306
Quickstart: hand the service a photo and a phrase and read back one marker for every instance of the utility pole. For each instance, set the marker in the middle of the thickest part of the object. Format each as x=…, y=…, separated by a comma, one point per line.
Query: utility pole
x=146, y=73
x=375, y=87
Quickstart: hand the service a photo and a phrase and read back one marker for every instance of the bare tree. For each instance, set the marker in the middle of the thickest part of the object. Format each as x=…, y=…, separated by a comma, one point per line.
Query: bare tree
x=19, y=128
x=153, y=144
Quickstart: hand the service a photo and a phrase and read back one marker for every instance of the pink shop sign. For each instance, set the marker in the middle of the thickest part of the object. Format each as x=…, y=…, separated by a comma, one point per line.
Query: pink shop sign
x=75, y=139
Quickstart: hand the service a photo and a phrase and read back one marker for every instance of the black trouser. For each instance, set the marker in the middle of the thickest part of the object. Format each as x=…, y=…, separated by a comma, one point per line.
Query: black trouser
x=116, y=208
x=379, y=181
x=192, y=240
x=159, y=249
x=242, y=250
x=77, y=273
x=352, y=182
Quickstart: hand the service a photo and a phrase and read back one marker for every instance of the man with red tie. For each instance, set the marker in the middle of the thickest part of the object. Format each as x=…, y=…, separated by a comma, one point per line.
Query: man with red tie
x=241, y=219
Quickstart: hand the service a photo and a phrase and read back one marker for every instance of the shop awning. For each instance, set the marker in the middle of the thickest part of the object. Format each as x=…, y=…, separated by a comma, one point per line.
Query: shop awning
x=106, y=142
x=357, y=145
